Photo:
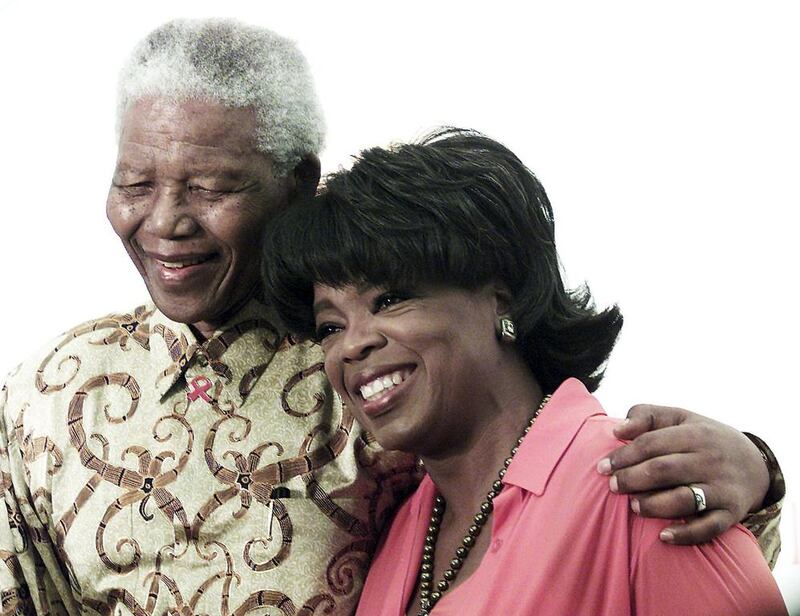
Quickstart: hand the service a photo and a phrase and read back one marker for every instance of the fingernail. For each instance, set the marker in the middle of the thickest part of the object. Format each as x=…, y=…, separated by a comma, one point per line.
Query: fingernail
x=613, y=484
x=635, y=506
x=620, y=427
x=666, y=536
x=604, y=466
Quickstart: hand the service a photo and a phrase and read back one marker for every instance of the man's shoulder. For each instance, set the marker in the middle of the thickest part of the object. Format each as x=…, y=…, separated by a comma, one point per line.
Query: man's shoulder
x=55, y=364
x=300, y=353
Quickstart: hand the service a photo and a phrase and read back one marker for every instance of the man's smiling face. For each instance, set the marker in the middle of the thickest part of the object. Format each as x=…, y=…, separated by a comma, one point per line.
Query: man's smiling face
x=189, y=199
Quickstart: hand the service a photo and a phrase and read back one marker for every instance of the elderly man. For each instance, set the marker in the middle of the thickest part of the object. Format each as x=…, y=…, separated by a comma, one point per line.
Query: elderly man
x=187, y=457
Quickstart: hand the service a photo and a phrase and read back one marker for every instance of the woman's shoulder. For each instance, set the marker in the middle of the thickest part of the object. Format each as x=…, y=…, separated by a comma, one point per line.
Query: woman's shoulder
x=592, y=441
x=596, y=438
x=726, y=576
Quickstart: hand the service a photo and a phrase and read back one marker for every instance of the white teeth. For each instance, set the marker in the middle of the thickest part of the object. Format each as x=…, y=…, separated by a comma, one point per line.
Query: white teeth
x=381, y=384
x=181, y=264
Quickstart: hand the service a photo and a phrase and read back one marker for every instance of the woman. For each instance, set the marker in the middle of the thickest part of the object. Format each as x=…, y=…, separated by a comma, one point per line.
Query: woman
x=429, y=276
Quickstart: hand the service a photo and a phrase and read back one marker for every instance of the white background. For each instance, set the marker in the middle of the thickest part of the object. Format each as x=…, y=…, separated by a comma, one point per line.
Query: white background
x=666, y=134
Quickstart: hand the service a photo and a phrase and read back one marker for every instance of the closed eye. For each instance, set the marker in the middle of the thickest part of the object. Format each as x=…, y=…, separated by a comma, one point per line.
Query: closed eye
x=135, y=188
x=207, y=193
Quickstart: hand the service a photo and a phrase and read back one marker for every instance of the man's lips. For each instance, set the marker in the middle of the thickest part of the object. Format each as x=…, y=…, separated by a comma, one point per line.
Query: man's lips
x=179, y=267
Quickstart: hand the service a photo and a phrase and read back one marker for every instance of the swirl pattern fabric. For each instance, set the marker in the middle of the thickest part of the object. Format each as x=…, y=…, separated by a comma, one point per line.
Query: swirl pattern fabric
x=138, y=465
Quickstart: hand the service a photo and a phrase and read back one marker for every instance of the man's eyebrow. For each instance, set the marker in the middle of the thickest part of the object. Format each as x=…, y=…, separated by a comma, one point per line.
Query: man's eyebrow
x=131, y=170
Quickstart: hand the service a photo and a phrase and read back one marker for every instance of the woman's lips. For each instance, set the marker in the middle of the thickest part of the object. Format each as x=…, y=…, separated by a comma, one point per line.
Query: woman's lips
x=378, y=403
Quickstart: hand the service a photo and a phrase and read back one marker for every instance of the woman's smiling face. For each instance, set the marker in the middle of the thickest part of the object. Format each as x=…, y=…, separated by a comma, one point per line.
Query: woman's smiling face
x=411, y=366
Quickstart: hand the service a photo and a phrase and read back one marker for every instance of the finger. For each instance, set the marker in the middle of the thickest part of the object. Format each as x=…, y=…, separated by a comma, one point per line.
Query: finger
x=646, y=417
x=701, y=529
x=672, y=503
x=677, y=439
x=634, y=426
x=658, y=473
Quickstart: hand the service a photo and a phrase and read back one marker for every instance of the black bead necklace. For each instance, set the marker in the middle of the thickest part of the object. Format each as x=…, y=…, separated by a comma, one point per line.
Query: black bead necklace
x=428, y=597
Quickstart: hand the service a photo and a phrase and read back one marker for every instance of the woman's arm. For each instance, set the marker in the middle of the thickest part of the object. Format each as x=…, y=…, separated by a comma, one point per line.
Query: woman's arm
x=726, y=577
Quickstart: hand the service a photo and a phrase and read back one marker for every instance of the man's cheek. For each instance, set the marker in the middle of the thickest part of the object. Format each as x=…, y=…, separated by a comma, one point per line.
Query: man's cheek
x=124, y=217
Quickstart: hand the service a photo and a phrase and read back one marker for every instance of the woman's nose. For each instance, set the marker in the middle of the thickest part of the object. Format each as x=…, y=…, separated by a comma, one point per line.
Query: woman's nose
x=361, y=339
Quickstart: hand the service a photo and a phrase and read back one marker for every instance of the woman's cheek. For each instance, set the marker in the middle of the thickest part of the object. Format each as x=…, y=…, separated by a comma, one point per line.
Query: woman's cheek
x=334, y=376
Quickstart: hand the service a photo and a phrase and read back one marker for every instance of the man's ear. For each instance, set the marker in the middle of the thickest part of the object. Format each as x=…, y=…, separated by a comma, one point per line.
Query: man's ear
x=306, y=177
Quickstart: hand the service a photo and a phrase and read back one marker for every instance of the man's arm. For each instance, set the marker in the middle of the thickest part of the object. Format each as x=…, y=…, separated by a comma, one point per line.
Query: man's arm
x=671, y=449
x=13, y=585
x=14, y=539
x=26, y=586
x=764, y=522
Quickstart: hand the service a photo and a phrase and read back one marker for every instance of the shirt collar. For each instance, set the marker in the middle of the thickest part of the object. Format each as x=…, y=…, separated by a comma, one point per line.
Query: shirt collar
x=173, y=345
x=555, y=428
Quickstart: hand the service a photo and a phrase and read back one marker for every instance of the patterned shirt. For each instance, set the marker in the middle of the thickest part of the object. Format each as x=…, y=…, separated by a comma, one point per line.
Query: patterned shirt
x=146, y=472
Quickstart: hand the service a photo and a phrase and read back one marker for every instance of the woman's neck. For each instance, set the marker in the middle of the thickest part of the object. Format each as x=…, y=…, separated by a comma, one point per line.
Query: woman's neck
x=464, y=476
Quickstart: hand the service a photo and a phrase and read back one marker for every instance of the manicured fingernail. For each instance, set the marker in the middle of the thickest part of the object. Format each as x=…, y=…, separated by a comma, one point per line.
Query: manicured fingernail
x=635, y=506
x=613, y=484
x=604, y=466
x=666, y=536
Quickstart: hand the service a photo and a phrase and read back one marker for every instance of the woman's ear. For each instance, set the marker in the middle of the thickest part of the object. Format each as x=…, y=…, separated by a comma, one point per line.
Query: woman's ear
x=502, y=298
x=504, y=326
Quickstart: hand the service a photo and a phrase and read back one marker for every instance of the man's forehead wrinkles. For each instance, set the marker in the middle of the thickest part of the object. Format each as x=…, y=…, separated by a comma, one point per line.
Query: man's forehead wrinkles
x=209, y=159
x=143, y=149
x=188, y=147
x=200, y=152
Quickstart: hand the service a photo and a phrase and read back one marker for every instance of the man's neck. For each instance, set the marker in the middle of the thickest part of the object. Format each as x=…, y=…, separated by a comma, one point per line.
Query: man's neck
x=204, y=330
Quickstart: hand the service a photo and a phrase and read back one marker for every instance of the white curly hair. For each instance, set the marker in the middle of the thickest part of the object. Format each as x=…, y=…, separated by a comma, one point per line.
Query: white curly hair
x=236, y=65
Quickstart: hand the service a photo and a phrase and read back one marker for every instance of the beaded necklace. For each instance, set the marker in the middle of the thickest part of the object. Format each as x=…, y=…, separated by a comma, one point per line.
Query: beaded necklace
x=427, y=596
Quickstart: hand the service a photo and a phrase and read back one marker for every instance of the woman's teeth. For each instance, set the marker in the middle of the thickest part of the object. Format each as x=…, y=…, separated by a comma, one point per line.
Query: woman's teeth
x=182, y=264
x=374, y=388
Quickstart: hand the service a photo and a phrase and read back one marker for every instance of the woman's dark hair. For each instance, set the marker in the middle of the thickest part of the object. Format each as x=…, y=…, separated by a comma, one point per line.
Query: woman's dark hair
x=456, y=209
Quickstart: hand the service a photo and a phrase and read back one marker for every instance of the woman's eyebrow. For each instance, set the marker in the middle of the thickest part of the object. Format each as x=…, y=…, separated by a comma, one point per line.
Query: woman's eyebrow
x=323, y=304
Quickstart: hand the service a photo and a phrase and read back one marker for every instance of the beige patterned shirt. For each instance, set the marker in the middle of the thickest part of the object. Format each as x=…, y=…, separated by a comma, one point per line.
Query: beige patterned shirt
x=138, y=470
x=146, y=473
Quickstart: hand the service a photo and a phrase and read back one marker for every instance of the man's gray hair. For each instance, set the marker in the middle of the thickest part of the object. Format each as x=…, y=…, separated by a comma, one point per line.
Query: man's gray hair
x=236, y=65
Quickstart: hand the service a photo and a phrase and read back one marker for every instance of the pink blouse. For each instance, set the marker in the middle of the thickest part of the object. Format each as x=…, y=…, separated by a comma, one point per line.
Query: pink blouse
x=563, y=544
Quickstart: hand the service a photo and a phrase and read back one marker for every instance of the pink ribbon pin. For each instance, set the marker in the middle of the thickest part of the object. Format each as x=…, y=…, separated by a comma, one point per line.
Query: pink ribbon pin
x=200, y=385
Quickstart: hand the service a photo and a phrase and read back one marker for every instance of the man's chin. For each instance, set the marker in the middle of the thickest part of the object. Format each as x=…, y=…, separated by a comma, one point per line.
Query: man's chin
x=182, y=315
x=186, y=310
x=202, y=314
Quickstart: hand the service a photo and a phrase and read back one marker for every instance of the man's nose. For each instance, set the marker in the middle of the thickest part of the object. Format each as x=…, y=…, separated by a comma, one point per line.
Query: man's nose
x=361, y=339
x=170, y=215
